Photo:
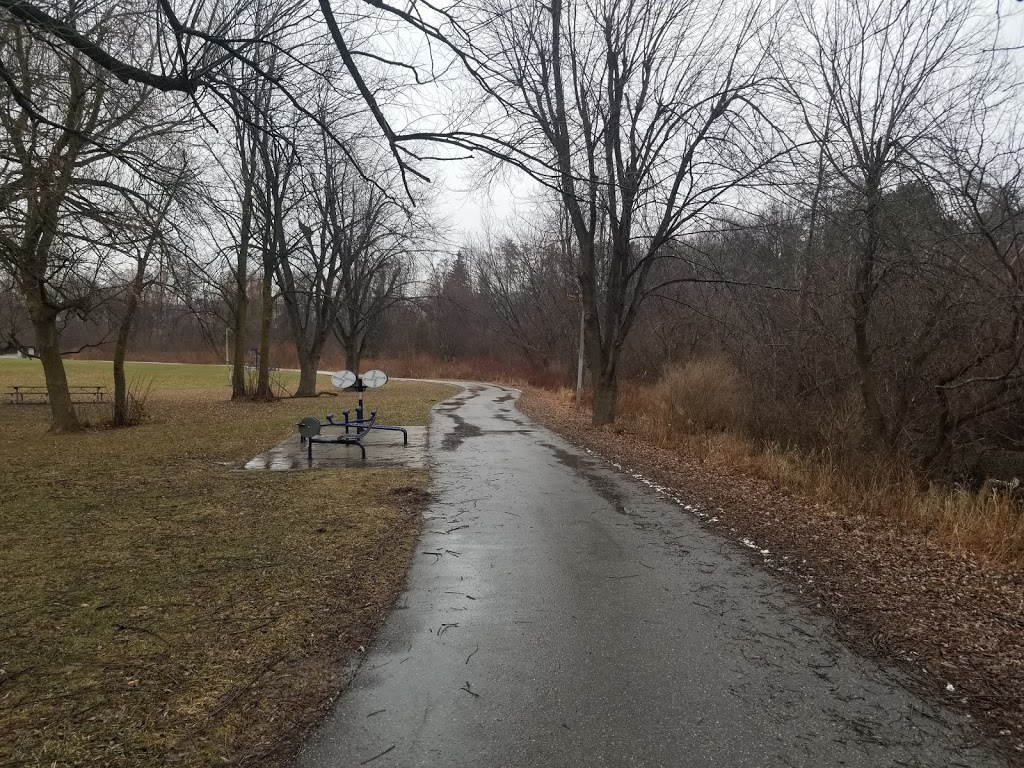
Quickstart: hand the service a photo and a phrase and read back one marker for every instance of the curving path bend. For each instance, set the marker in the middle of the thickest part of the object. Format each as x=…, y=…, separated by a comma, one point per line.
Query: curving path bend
x=560, y=614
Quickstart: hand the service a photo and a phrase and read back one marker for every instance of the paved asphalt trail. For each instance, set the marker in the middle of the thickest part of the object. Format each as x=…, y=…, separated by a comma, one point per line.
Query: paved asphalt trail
x=560, y=614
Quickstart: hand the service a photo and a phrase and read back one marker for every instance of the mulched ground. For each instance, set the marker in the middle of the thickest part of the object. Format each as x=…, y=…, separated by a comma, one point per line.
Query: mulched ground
x=952, y=620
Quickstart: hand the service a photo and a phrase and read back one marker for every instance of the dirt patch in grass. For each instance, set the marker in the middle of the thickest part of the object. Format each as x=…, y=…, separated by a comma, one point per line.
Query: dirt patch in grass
x=955, y=621
x=159, y=607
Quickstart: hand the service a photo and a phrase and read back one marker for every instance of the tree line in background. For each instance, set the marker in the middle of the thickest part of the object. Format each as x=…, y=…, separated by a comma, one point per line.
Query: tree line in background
x=820, y=203
x=122, y=198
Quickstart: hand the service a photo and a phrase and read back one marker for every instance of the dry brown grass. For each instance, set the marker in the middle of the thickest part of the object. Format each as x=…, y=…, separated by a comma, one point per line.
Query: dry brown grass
x=510, y=370
x=700, y=395
x=700, y=411
x=507, y=372
x=158, y=606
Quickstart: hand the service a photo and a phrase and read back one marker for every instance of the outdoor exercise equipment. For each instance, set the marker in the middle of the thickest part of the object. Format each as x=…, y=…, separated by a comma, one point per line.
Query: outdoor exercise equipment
x=310, y=428
x=343, y=379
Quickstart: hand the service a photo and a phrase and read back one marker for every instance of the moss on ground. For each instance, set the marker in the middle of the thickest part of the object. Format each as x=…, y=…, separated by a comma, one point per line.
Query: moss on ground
x=158, y=606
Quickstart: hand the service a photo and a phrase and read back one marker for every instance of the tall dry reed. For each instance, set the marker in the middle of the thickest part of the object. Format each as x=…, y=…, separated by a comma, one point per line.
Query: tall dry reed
x=702, y=411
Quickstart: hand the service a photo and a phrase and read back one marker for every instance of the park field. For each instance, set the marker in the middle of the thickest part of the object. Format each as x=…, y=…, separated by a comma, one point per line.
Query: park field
x=160, y=607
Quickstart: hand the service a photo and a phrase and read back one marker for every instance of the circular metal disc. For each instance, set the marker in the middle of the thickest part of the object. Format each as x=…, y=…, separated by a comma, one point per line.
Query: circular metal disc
x=343, y=379
x=374, y=379
x=309, y=427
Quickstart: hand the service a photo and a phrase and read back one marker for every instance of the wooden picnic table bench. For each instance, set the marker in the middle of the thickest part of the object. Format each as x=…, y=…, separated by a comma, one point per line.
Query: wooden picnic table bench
x=40, y=394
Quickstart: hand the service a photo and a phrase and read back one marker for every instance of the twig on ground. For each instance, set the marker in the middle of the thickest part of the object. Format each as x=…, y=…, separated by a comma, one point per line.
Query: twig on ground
x=370, y=760
x=141, y=630
x=255, y=679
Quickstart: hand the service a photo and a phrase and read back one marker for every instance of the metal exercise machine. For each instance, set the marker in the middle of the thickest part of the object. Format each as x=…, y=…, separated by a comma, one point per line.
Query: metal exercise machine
x=310, y=428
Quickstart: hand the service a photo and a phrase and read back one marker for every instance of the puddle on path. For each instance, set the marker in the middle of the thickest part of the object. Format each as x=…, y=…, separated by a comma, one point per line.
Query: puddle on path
x=383, y=449
x=463, y=429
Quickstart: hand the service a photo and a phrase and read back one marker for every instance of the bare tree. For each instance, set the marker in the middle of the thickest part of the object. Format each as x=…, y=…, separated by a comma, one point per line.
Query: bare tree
x=309, y=275
x=71, y=133
x=986, y=186
x=198, y=41
x=152, y=224
x=644, y=117
x=14, y=323
x=877, y=82
x=277, y=170
x=245, y=162
x=376, y=272
x=528, y=288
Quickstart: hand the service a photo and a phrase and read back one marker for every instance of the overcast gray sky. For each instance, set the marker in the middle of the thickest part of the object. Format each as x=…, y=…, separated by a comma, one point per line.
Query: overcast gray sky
x=468, y=208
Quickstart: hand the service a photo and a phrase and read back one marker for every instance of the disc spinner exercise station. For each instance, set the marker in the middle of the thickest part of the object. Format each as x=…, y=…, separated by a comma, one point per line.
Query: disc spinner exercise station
x=355, y=429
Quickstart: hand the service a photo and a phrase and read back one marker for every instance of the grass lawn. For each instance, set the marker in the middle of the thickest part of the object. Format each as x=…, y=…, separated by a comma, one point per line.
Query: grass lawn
x=160, y=607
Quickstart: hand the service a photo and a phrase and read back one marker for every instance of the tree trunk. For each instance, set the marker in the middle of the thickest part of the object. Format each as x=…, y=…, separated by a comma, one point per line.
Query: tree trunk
x=241, y=308
x=309, y=340
x=863, y=299
x=308, y=364
x=120, y=385
x=804, y=382
x=866, y=372
x=241, y=314
x=352, y=360
x=266, y=317
x=124, y=331
x=120, y=351
x=602, y=363
x=62, y=411
x=938, y=453
x=606, y=393
x=354, y=352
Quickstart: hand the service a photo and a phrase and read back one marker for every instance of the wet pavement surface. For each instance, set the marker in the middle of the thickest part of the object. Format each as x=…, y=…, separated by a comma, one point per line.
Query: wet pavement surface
x=559, y=613
x=384, y=448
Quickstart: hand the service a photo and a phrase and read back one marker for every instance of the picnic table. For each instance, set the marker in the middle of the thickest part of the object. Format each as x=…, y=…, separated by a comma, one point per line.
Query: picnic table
x=22, y=394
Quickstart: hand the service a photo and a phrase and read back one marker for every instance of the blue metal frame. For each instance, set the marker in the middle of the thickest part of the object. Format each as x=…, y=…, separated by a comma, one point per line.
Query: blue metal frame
x=369, y=424
x=360, y=424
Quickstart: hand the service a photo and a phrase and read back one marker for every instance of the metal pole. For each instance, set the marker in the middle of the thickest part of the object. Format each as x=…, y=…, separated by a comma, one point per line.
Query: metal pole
x=579, y=362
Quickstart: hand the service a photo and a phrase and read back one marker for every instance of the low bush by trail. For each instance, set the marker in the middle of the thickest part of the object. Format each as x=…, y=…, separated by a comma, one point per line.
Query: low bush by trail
x=705, y=410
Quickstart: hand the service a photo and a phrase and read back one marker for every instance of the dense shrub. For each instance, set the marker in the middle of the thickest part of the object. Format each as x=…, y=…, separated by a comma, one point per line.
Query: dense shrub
x=704, y=394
